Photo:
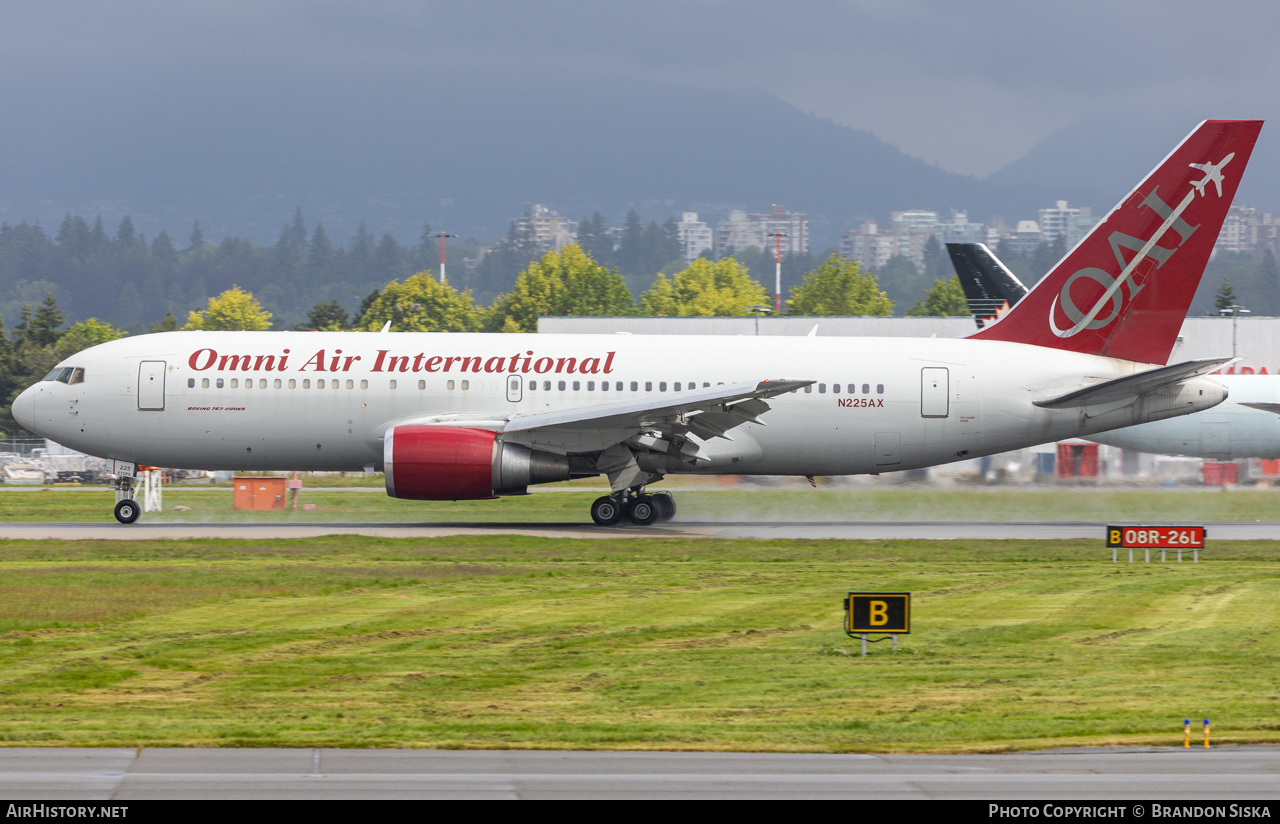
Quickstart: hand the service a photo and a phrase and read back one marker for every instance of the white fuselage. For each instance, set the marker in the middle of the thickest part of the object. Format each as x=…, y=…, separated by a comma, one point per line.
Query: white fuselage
x=255, y=400
x=1230, y=431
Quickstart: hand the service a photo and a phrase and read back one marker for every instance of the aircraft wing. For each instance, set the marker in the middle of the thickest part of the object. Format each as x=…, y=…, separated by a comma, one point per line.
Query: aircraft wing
x=707, y=413
x=1132, y=386
x=1263, y=406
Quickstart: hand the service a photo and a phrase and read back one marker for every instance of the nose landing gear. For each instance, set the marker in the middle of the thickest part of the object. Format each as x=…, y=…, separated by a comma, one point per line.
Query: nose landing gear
x=127, y=507
x=127, y=511
x=640, y=508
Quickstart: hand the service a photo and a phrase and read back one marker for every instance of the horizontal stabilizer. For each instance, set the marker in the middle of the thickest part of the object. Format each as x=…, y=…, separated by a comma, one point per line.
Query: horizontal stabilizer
x=1262, y=406
x=1132, y=386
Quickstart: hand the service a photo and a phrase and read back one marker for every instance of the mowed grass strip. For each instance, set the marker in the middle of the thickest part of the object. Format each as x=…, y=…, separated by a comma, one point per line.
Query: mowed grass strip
x=643, y=644
x=729, y=505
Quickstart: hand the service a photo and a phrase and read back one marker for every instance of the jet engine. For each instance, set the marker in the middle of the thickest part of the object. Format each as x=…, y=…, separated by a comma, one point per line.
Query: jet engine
x=452, y=463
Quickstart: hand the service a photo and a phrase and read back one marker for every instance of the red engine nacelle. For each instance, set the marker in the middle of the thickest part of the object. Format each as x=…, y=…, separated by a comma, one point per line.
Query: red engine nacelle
x=450, y=463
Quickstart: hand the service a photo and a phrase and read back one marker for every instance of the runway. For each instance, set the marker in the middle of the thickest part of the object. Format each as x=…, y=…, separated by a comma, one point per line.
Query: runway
x=864, y=530
x=1166, y=775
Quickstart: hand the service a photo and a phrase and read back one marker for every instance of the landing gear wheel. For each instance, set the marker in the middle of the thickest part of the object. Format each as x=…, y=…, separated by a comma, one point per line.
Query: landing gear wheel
x=606, y=511
x=666, y=505
x=644, y=510
x=127, y=511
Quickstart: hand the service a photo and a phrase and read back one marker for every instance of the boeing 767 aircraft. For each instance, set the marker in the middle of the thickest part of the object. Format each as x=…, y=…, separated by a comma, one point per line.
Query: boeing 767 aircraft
x=469, y=416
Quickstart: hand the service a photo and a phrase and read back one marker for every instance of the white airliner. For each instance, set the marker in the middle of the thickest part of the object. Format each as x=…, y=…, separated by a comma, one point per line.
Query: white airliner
x=463, y=416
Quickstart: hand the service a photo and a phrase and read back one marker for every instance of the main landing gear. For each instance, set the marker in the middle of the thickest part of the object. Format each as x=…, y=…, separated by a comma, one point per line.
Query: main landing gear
x=641, y=508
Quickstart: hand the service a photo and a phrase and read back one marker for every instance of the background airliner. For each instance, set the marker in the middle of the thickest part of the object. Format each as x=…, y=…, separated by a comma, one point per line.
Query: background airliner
x=460, y=416
x=1247, y=425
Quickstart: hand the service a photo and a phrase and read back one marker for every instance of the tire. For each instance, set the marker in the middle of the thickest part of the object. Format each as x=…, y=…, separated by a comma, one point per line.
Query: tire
x=127, y=511
x=666, y=505
x=644, y=510
x=606, y=511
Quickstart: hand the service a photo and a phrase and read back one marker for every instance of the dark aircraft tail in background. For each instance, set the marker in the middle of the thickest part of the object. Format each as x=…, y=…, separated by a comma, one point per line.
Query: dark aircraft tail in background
x=990, y=289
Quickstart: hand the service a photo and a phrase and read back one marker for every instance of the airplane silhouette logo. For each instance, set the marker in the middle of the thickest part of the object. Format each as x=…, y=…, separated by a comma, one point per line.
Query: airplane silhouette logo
x=1212, y=174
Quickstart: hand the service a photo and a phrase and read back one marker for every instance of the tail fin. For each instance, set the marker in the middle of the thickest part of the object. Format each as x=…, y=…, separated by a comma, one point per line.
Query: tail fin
x=989, y=288
x=1124, y=290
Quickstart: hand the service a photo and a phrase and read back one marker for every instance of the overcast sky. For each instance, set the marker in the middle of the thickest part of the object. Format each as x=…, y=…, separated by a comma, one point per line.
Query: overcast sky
x=970, y=86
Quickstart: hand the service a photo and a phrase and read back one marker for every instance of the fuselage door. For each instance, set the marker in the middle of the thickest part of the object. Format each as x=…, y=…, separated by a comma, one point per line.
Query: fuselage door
x=935, y=387
x=515, y=387
x=888, y=448
x=151, y=385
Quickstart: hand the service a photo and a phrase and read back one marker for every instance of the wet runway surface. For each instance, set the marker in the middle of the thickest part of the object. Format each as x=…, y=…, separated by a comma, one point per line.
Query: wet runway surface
x=935, y=530
x=1135, y=773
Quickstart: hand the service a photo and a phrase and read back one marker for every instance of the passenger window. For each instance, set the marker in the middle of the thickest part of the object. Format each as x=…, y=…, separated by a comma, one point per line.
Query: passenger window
x=561, y=386
x=676, y=386
x=835, y=389
x=320, y=383
x=278, y=383
x=604, y=386
x=392, y=384
x=662, y=386
x=293, y=384
x=338, y=384
x=533, y=384
x=648, y=386
x=706, y=385
x=422, y=384
x=364, y=384
x=618, y=386
x=191, y=383
x=306, y=383
x=866, y=389
x=577, y=385
x=853, y=387
x=351, y=384
x=204, y=383
x=879, y=388
x=591, y=386
x=262, y=383
x=219, y=383
x=635, y=387
x=808, y=389
x=466, y=384
x=822, y=389
x=546, y=386
x=235, y=383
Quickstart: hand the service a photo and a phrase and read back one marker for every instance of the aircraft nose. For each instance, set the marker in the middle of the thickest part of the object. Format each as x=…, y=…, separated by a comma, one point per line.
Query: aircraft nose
x=24, y=408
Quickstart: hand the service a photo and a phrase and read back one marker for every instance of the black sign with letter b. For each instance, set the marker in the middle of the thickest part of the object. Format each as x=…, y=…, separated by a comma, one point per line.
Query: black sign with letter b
x=878, y=612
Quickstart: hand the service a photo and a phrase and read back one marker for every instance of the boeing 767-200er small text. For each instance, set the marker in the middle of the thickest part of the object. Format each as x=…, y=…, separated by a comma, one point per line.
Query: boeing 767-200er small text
x=470, y=416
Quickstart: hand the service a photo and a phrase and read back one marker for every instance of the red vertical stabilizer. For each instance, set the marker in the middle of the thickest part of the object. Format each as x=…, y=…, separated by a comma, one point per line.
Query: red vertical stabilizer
x=1125, y=289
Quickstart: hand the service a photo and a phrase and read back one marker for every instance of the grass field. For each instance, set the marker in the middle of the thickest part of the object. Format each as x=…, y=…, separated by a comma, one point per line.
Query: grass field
x=899, y=503
x=646, y=644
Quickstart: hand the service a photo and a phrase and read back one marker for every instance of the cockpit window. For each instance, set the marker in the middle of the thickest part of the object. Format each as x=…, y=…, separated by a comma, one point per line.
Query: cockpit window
x=66, y=374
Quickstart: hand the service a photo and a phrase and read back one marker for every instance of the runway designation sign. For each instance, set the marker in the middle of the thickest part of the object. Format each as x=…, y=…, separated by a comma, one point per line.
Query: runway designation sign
x=1155, y=537
x=878, y=612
